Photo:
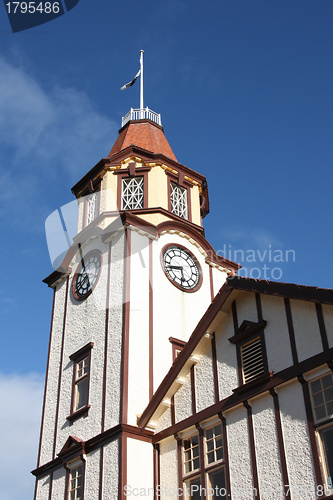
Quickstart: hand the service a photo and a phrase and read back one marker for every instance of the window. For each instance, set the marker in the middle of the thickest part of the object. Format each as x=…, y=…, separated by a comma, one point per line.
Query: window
x=211, y=469
x=81, y=383
x=81, y=376
x=75, y=489
x=322, y=404
x=132, y=193
x=178, y=200
x=92, y=207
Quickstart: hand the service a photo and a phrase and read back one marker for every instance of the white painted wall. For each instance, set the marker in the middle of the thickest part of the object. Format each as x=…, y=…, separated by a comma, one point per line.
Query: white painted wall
x=140, y=475
x=239, y=454
x=226, y=358
x=183, y=400
x=296, y=441
x=307, y=334
x=267, y=448
x=276, y=333
x=204, y=380
x=168, y=464
x=111, y=470
x=138, y=375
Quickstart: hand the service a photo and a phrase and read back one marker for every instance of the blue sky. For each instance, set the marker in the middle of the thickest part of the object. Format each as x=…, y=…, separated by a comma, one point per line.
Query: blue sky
x=245, y=93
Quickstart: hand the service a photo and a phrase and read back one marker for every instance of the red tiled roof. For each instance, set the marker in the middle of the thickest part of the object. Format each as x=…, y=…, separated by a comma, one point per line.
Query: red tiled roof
x=145, y=134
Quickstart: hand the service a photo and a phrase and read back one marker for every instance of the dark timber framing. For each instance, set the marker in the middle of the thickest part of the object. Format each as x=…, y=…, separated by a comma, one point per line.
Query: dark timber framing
x=252, y=450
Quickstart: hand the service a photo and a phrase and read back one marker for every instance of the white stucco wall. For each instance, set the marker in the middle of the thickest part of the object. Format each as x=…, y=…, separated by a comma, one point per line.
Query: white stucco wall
x=246, y=307
x=276, y=333
x=296, y=441
x=239, y=454
x=164, y=421
x=85, y=322
x=169, y=467
x=91, y=486
x=52, y=379
x=204, y=380
x=183, y=400
x=58, y=484
x=307, y=334
x=43, y=487
x=112, y=396
x=267, y=449
x=226, y=358
x=111, y=470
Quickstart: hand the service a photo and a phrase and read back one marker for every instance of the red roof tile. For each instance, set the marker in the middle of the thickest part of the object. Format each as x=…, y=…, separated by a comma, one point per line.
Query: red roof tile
x=145, y=134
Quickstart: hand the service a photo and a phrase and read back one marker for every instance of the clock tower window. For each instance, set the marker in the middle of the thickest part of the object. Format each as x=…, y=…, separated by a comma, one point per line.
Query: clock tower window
x=132, y=193
x=178, y=200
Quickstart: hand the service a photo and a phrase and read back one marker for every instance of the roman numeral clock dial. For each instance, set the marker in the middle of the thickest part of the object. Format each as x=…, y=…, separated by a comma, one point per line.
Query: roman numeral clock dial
x=181, y=268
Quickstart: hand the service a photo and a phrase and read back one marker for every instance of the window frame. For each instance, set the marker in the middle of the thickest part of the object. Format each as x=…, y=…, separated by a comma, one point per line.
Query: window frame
x=205, y=469
x=181, y=182
x=77, y=357
x=70, y=467
x=92, y=189
x=129, y=180
x=126, y=173
x=320, y=425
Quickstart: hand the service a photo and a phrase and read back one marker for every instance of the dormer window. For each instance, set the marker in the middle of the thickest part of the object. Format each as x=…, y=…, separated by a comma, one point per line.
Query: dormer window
x=132, y=193
x=178, y=200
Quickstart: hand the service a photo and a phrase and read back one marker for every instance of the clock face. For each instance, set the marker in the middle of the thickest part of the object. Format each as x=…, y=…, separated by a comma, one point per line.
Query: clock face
x=87, y=275
x=182, y=268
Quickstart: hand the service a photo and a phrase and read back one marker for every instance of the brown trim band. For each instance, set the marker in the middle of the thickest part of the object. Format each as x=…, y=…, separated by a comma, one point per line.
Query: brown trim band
x=95, y=443
x=180, y=466
x=215, y=371
x=101, y=474
x=279, y=433
x=193, y=398
x=291, y=330
x=322, y=328
x=252, y=450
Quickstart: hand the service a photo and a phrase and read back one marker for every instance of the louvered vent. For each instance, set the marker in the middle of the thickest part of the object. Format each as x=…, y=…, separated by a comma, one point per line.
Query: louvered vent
x=252, y=360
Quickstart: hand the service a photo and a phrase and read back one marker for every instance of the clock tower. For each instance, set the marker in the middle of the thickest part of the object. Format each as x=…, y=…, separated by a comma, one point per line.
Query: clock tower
x=131, y=288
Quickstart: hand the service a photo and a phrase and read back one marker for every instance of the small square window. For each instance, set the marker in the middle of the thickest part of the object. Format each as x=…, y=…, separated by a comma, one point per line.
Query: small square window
x=132, y=193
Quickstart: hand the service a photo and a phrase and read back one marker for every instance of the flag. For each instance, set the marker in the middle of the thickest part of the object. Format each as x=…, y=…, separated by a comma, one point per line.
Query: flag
x=129, y=84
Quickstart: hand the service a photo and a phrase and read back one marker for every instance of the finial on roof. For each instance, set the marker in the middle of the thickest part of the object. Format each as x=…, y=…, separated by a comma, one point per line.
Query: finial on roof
x=140, y=113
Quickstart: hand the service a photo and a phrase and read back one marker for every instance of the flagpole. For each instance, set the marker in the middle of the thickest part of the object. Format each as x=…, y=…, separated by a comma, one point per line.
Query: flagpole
x=141, y=80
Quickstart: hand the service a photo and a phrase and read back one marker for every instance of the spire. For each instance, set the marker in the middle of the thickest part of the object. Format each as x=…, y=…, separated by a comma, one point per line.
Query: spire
x=145, y=134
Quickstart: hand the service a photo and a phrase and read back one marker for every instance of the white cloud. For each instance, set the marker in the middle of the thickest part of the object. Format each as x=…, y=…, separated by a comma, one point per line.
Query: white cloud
x=52, y=127
x=48, y=134
x=21, y=401
x=247, y=237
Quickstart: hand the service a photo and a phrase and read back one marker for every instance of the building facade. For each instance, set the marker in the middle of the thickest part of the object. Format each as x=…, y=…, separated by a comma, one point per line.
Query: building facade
x=167, y=375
